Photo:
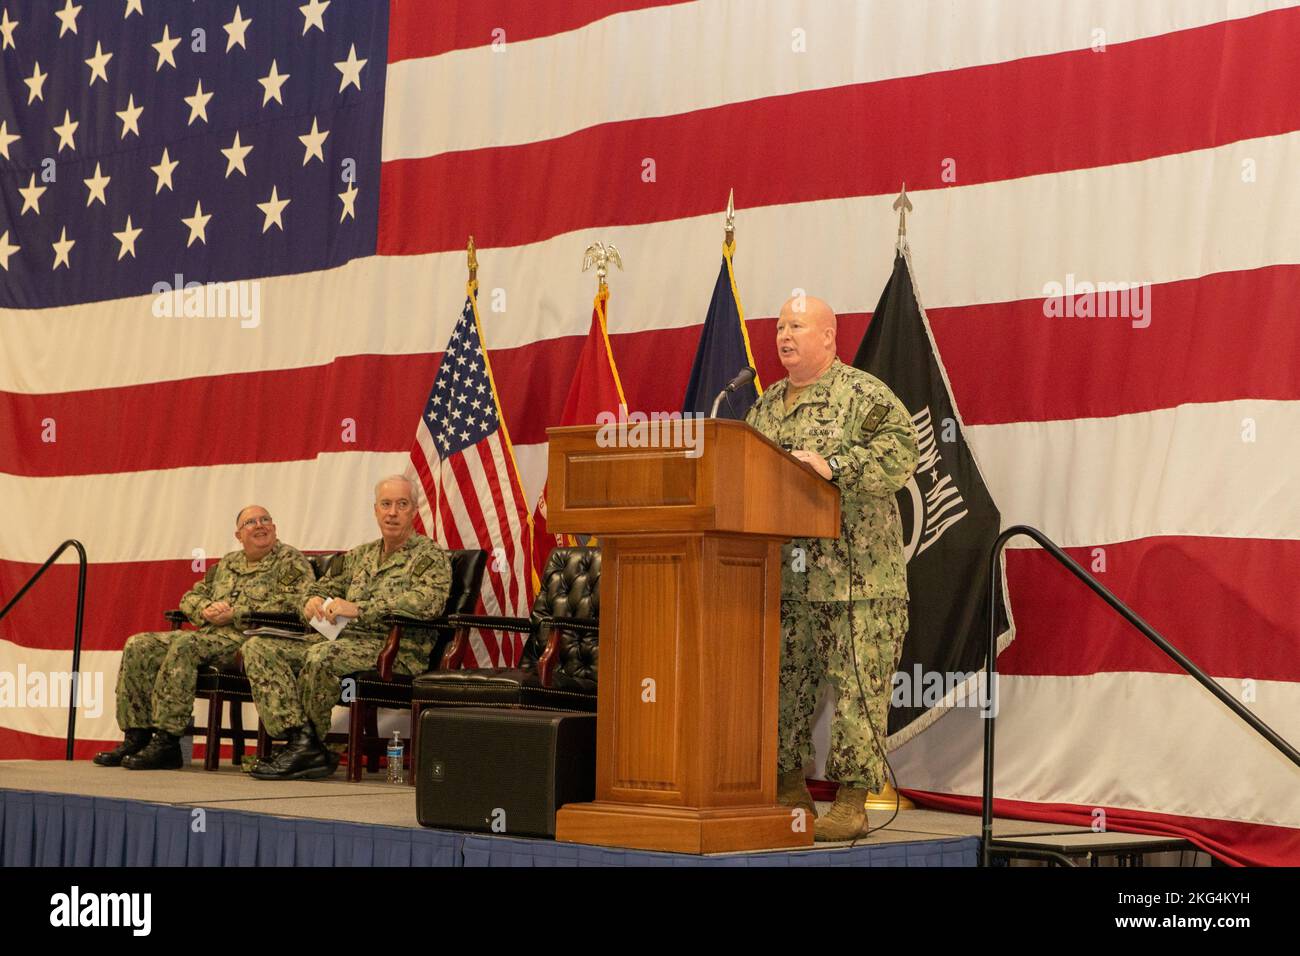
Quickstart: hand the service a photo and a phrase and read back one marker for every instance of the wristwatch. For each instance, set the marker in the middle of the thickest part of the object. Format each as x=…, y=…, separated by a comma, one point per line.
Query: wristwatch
x=834, y=464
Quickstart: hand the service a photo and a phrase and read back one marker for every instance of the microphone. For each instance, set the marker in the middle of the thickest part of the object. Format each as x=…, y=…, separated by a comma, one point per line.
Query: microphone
x=743, y=378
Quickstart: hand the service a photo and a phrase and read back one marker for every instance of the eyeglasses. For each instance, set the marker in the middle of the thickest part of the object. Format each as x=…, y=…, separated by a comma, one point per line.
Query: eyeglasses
x=401, y=504
x=251, y=522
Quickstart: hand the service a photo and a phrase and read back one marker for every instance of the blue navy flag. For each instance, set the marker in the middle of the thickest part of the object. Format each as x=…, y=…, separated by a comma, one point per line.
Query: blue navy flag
x=149, y=145
x=723, y=351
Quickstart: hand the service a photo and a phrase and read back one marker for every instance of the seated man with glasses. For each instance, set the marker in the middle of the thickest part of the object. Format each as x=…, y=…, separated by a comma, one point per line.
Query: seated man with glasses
x=296, y=684
x=159, y=670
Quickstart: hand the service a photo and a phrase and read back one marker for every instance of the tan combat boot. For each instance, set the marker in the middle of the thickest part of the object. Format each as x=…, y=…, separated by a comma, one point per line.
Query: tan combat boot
x=792, y=791
x=847, y=820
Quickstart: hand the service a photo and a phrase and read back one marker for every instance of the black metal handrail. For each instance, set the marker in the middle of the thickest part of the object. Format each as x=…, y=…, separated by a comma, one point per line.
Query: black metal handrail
x=1125, y=612
x=75, y=680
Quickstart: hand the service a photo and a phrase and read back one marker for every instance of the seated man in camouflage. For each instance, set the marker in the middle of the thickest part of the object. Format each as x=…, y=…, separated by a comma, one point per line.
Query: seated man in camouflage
x=155, y=684
x=297, y=683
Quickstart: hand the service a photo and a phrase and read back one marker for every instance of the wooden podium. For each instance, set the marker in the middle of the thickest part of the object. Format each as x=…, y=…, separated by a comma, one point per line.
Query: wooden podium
x=690, y=632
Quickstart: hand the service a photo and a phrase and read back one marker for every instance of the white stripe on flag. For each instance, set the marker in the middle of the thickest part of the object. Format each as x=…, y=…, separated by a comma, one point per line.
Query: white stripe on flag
x=1150, y=232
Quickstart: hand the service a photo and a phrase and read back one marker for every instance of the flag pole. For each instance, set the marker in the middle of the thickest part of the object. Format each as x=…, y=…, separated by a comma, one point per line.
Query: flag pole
x=888, y=797
x=904, y=206
x=471, y=254
x=471, y=291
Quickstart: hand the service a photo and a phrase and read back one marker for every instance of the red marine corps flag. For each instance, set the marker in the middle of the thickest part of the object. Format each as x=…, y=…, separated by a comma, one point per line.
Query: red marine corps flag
x=473, y=498
x=595, y=388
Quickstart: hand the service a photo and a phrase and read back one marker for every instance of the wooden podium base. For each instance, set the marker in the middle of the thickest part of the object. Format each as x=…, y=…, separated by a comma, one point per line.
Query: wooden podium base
x=681, y=830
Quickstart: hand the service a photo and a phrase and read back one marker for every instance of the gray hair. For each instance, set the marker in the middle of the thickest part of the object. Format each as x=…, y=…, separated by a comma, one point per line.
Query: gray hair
x=415, y=489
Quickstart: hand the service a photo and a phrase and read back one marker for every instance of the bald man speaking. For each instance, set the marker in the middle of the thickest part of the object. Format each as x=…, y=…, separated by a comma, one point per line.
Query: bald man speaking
x=843, y=600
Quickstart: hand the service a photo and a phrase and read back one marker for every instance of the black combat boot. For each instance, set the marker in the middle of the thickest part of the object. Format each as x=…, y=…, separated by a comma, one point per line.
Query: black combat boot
x=163, y=752
x=304, y=757
x=136, y=739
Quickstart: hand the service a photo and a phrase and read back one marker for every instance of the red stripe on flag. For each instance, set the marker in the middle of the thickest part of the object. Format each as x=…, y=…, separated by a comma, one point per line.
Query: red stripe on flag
x=420, y=28
x=273, y=415
x=470, y=494
x=450, y=529
x=1227, y=603
x=520, y=196
x=1241, y=844
x=1193, y=590
x=1008, y=362
x=1178, y=359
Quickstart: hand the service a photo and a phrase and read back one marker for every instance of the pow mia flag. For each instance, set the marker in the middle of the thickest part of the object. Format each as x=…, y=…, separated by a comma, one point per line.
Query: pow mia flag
x=949, y=519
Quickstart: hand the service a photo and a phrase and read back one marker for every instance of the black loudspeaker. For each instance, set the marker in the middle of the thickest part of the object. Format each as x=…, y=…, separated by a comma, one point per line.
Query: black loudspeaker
x=503, y=770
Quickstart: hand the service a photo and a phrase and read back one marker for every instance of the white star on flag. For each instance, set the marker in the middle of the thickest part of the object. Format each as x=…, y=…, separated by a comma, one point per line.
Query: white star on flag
x=31, y=194
x=6, y=138
x=198, y=224
x=67, y=18
x=130, y=117
x=127, y=238
x=273, y=208
x=235, y=154
x=99, y=64
x=272, y=84
x=6, y=250
x=198, y=104
x=311, y=15
x=7, y=28
x=351, y=69
x=62, y=248
x=313, y=141
x=66, y=132
x=97, y=184
x=235, y=31
x=166, y=48
x=164, y=171
x=35, y=84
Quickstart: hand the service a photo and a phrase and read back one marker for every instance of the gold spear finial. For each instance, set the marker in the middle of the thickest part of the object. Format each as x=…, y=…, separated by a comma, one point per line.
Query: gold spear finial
x=904, y=206
x=729, y=228
x=600, y=255
x=472, y=257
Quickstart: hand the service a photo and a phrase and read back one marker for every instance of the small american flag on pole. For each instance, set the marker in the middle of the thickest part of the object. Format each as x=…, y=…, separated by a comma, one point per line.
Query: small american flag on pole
x=473, y=498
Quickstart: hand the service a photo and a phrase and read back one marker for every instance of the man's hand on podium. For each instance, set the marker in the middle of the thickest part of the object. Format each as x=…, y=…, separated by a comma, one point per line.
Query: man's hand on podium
x=818, y=463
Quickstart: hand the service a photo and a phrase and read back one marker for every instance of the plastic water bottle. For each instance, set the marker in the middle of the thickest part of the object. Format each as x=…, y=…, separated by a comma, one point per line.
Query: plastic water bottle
x=395, y=758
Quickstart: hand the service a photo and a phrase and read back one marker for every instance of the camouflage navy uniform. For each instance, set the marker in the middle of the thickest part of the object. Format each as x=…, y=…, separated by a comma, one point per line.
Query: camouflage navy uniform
x=159, y=669
x=297, y=682
x=852, y=417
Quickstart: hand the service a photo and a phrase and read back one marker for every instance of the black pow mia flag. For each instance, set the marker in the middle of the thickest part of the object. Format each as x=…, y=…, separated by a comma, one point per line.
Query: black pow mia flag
x=949, y=520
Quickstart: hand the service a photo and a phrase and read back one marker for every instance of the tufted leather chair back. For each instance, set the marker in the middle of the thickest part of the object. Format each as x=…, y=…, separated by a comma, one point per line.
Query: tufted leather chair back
x=570, y=589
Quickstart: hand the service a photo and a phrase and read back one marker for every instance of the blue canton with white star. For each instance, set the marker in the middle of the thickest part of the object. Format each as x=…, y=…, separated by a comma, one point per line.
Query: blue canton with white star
x=460, y=411
x=145, y=139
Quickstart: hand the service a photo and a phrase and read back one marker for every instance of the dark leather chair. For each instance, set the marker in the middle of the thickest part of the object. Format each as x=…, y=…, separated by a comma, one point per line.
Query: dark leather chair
x=381, y=687
x=558, y=668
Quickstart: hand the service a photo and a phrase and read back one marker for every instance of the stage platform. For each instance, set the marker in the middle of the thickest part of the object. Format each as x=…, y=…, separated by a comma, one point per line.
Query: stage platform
x=54, y=813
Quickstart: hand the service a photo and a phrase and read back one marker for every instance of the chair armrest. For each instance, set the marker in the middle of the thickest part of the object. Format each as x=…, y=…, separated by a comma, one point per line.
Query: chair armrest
x=177, y=618
x=546, y=663
x=286, y=619
x=396, y=622
x=491, y=622
x=454, y=656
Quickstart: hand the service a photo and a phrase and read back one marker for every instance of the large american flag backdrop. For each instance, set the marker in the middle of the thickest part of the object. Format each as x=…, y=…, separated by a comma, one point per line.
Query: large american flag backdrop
x=1061, y=141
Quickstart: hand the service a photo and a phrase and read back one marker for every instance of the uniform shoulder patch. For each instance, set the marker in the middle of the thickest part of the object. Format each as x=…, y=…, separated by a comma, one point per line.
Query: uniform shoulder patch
x=874, y=417
x=421, y=565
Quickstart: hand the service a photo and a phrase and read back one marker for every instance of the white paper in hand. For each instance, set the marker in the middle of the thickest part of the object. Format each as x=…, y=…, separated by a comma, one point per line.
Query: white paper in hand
x=331, y=631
